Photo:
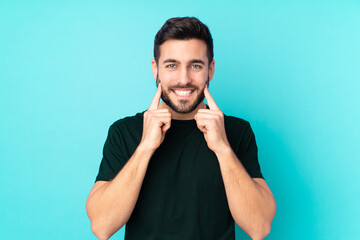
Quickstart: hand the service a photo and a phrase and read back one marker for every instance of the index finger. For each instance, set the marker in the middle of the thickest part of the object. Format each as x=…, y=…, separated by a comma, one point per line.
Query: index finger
x=155, y=102
x=210, y=101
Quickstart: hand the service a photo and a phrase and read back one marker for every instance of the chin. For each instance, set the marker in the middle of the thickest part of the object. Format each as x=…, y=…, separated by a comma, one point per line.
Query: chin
x=183, y=106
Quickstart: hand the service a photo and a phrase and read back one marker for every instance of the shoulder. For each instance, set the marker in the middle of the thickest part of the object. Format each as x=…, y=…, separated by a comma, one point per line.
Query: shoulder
x=127, y=125
x=235, y=123
x=241, y=137
x=129, y=121
x=238, y=129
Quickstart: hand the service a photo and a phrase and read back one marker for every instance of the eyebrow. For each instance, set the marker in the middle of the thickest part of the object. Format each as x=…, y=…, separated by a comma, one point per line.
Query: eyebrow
x=197, y=61
x=170, y=61
x=191, y=62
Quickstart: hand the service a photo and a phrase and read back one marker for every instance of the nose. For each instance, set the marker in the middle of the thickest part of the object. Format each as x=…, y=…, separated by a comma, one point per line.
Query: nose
x=184, y=76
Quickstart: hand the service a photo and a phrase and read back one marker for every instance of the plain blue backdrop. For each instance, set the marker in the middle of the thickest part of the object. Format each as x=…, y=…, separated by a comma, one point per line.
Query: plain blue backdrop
x=68, y=69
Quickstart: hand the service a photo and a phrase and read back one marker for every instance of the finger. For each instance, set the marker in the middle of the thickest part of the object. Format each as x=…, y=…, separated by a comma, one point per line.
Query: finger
x=157, y=112
x=159, y=117
x=166, y=127
x=210, y=112
x=210, y=101
x=201, y=126
x=155, y=102
x=206, y=117
x=162, y=120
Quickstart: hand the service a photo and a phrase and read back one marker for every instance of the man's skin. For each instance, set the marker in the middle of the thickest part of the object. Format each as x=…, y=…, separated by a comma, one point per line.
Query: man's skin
x=181, y=62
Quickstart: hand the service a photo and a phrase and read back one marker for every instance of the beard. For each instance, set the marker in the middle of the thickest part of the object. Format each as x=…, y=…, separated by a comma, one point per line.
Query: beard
x=183, y=105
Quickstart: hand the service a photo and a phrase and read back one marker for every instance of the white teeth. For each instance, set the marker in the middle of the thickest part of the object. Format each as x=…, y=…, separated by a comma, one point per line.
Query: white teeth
x=182, y=93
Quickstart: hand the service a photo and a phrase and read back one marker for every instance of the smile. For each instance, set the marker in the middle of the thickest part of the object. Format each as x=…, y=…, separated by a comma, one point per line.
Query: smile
x=183, y=92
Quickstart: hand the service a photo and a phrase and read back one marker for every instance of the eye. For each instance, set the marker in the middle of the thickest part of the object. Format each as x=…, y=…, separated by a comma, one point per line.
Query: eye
x=171, y=66
x=195, y=66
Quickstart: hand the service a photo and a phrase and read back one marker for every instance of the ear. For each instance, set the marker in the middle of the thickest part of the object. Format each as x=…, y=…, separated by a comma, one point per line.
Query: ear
x=211, y=69
x=154, y=68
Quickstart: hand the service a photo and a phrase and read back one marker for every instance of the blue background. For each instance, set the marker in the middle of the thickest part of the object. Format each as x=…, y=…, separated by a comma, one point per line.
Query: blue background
x=68, y=69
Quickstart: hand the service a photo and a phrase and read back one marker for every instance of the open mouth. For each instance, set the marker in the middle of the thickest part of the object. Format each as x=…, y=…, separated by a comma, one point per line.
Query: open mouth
x=183, y=93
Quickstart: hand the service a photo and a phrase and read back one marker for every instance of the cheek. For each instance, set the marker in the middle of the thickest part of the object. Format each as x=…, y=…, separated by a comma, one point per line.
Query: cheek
x=166, y=77
x=200, y=78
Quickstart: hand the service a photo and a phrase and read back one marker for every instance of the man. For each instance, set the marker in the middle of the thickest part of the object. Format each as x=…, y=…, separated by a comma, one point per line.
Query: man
x=181, y=169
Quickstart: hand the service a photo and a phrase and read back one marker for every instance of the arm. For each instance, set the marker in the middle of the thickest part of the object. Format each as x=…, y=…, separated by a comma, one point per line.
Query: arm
x=110, y=204
x=251, y=202
x=106, y=206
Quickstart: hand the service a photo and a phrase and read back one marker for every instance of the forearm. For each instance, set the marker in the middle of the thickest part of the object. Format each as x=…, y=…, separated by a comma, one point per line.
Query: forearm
x=110, y=206
x=251, y=204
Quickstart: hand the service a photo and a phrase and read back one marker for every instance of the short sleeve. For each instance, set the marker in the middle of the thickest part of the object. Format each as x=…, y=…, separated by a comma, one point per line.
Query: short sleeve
x=113, y=158
x=248, y=153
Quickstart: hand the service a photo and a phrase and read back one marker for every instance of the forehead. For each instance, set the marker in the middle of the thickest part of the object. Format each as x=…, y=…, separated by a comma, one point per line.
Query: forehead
x=183, y=50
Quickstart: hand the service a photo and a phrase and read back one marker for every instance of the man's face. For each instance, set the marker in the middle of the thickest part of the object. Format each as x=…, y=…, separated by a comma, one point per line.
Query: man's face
x=183, y=71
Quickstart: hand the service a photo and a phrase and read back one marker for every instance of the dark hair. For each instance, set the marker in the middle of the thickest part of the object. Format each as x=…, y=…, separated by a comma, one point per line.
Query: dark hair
x=184, y=28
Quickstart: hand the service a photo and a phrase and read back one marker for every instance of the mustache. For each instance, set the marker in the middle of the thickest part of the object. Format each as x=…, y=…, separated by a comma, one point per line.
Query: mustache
x=179, y=86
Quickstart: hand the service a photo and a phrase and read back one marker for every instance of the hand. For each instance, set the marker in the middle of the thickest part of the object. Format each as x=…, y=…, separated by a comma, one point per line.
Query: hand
x=211, y=123
x=156, y=123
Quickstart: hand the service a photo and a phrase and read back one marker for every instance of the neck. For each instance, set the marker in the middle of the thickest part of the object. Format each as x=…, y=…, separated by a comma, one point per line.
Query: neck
x=182, y=116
